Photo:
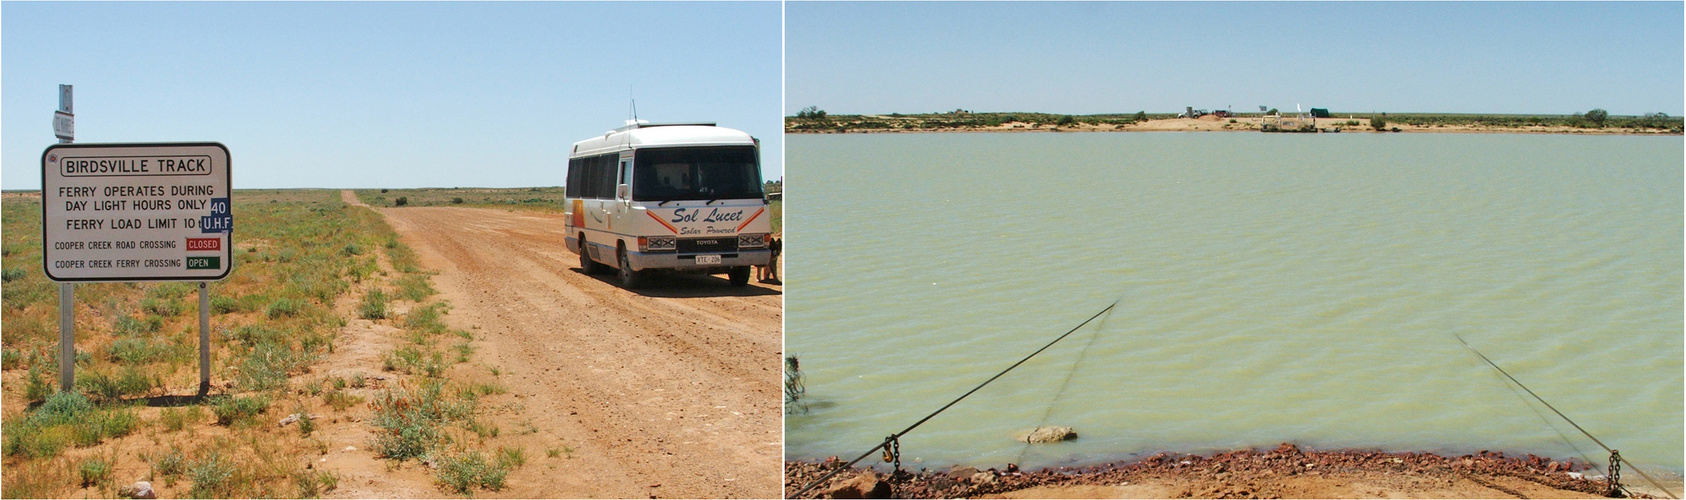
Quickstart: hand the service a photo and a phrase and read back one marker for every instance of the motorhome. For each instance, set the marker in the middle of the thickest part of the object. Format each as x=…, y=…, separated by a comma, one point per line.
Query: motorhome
x=667, y=198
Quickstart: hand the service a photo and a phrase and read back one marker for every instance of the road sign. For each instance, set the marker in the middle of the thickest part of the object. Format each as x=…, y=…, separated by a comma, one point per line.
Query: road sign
x=64, y=100
x=64, y=125
x=136, y=212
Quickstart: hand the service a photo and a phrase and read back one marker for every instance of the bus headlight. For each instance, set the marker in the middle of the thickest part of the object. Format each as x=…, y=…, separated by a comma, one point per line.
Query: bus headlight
x=657, y=244
x=752, y=240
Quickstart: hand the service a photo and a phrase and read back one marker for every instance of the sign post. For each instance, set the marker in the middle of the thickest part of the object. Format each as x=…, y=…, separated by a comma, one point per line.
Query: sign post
x=64, y=127
x=135, y=212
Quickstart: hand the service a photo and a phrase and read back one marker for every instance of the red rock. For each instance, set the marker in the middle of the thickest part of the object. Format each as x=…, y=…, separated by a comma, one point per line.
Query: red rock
x=865, y=485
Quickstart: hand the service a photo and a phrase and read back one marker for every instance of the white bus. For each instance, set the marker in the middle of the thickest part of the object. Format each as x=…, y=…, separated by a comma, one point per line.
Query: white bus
x=678, y=197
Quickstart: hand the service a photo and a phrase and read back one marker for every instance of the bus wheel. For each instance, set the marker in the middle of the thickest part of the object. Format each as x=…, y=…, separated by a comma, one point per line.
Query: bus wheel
x=587, y=265
x=630, y=279
x=739, y=275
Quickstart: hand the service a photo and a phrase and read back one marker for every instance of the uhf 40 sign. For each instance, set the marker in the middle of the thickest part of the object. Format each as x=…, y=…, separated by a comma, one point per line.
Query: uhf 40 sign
x=136, y=212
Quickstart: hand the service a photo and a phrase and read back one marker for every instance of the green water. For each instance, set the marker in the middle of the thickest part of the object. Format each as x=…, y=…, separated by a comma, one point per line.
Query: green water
x=1298, y=288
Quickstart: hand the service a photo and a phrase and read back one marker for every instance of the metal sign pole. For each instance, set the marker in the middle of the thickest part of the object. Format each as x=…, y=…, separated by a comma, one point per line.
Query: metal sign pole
x=67, y=291
x=204, y=340
x=67, y=336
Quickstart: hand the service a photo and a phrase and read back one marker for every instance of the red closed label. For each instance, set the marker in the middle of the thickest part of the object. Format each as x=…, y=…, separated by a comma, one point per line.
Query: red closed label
x=204, y=244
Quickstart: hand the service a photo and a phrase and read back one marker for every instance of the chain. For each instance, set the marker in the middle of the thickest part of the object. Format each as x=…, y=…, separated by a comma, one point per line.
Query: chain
x=893, y=451
x=1615, y=475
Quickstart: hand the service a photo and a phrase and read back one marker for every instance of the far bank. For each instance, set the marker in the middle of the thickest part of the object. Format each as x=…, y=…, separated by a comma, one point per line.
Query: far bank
x=963, y=121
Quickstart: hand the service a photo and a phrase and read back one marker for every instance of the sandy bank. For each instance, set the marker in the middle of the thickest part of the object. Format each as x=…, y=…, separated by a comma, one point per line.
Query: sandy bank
x=1242, y=124
x=1285, y=472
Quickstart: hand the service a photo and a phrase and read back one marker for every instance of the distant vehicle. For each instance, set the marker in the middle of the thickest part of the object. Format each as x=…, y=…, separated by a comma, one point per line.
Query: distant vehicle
x=667, y=197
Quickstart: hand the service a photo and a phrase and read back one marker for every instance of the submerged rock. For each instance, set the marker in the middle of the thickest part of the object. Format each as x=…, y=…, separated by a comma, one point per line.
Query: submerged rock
x=1049, y=434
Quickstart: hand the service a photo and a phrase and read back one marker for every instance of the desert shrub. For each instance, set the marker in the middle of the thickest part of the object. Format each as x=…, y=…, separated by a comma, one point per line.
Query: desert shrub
x=268, y=364
x=1378, y=123
x=61, y=408
x=283, y=308
x=99, y=425
x=409, y=423
x=401, y=201
x=10, y=358
x=32, y=441
x=168, y=465
x=313, y=483
x=37, y=385
x=414, y=287
x=95, y=471
x=126, y=325
x=175, y=419
x=428, y=319
x=162, y=307
x=212, y=475
x=239, y=409
x=340, y=400
x=373, y=305
x=134, y=350
x=12, y=274
x=463, y=472
x=131, y=381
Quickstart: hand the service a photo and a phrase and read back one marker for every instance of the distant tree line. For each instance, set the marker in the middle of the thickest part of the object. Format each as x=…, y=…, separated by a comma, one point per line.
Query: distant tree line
x=813, y=119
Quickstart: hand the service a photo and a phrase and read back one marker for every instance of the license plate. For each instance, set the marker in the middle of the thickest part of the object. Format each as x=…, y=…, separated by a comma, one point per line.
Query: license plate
x=708, y=259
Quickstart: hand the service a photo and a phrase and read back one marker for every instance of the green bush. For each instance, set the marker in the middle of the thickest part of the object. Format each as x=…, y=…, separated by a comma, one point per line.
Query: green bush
x=373, y=305
x=38, y=386
x=1378, y=123
x=10, y=358
x=168, y=465
x=414, y=287
x=283, y=308
x=409, y=423
x=268, y=364
x=131, y=381
x=223, y=304
x=212, y=475
x=462, y=473
x=401, y=201
x=312, y=483
x=175, y=419
x=95, y=471
x=240, y=409
x=162, y=307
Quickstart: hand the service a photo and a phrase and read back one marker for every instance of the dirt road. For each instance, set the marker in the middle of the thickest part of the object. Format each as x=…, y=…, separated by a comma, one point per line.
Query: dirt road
x=672, y=390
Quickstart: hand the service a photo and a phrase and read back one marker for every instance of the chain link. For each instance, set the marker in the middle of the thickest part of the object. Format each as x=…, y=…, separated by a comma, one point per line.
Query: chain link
x=1616, y=489
x=893, y=451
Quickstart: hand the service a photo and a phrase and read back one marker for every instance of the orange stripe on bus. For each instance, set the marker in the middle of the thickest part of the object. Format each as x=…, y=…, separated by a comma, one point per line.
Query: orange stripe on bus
x=664, y=223
x=751, y=218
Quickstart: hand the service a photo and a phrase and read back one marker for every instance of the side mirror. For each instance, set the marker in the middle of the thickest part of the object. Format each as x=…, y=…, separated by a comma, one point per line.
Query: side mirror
x=623, y=191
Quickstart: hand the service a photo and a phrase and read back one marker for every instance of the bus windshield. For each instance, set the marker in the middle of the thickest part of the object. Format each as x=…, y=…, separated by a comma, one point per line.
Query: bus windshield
x=696, y=173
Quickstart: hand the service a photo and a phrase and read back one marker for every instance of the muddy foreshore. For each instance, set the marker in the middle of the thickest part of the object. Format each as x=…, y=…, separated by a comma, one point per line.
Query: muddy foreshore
x=1285, y=472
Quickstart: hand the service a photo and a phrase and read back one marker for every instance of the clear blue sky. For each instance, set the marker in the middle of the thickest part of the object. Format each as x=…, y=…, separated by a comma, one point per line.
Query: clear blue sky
x=384, y=94
x=1503, y=57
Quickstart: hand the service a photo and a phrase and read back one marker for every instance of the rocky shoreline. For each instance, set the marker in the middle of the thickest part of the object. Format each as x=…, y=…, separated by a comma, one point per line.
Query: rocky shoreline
x=1285, y=472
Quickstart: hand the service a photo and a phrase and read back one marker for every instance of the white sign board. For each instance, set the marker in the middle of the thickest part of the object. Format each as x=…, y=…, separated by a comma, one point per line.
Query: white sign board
x=64, y=125
x=136, y=212
x=65, y=104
